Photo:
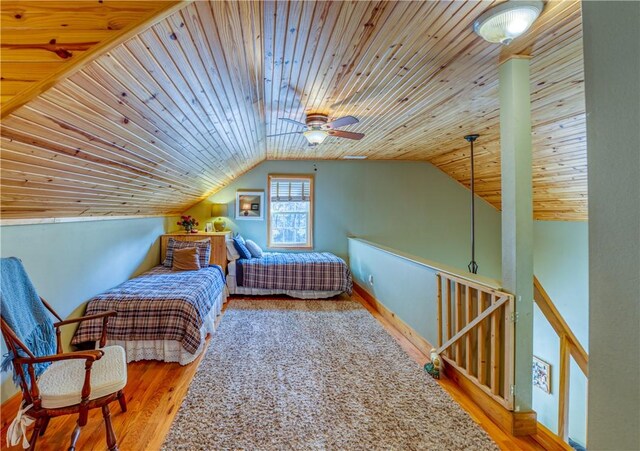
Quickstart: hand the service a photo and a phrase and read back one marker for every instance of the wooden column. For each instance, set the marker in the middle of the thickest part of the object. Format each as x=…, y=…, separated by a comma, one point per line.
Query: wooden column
x=517, y=214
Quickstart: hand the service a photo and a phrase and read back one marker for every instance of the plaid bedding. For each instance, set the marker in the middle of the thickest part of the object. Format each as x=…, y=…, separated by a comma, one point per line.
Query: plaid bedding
x=316, y=271
x=158, y=305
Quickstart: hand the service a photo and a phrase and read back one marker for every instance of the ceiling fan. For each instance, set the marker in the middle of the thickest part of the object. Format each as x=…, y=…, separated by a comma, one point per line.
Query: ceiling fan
x=318, y=128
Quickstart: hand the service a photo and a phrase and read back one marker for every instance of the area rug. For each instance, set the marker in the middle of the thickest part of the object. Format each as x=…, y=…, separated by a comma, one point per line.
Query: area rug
x=312, y=375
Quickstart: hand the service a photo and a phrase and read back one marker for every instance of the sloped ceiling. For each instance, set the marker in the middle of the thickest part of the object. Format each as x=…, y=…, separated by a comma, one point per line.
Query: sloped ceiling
x=179, y=110
x=42, y=38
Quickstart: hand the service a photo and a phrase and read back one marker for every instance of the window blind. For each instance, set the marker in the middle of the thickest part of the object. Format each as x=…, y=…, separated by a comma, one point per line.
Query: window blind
x=290, y=189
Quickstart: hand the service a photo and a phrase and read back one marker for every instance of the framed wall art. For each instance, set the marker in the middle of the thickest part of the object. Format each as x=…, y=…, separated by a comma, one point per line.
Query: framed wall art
x=250, y=205
x=541, y=375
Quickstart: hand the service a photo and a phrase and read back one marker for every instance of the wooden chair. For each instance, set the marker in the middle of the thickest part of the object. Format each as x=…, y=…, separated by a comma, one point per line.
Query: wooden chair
x=63, y=389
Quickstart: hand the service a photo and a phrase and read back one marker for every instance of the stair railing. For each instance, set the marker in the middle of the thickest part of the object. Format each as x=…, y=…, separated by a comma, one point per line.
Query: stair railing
x=476, y=334
x=569, y=347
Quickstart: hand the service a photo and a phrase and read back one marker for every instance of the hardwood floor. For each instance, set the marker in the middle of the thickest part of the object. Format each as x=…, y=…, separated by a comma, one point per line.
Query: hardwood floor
x=155, y=391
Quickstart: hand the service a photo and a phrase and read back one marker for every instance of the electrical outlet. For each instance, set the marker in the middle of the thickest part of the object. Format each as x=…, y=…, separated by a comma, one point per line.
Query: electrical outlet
x=370, y=279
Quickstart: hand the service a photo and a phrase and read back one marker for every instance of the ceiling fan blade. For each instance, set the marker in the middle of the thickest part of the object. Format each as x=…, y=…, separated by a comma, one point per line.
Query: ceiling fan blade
x=282, y=134
x=341, y=122
x=345, y=134
x=291, y=121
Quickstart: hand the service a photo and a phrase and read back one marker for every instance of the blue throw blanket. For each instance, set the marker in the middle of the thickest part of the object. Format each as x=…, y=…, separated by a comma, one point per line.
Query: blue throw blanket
x=25, y=314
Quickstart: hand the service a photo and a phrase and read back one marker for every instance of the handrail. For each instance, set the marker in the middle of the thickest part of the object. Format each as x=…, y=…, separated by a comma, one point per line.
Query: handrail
x=569, y=347
x=560, y=326
x=438, y=267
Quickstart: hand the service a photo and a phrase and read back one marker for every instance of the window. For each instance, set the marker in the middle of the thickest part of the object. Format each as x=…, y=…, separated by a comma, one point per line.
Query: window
x=290, y=216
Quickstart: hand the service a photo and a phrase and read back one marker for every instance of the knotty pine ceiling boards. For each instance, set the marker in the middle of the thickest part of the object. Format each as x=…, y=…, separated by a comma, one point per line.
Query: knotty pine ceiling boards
x=141, y=108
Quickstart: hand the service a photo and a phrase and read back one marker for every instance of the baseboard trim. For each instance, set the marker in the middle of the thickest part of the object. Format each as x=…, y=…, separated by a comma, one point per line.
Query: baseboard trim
x=549, y=440
x=407, y=331
x=514, y=423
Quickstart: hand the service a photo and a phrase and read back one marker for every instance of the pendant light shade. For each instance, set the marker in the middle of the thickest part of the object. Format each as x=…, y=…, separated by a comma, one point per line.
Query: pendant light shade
x=506, y=21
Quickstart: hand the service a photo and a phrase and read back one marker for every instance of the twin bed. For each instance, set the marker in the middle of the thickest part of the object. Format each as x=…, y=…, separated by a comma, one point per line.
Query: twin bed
x=162, y=314
x=166, y=315
x=315, y=275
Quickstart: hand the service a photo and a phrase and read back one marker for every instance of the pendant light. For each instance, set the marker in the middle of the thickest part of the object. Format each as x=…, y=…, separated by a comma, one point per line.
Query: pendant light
x=506, y=21
x=473, y=266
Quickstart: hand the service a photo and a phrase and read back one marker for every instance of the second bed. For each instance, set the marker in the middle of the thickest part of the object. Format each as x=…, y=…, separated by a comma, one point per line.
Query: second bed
x=312, y=275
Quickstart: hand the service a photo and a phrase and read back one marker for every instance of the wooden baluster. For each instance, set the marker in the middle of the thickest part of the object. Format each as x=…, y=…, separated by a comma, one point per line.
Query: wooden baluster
x=495, y=349
x=449, y=318
x=482, y=336
x=563, y=395
x=439, y=282
x=508, y=350
x=459, y=324
x=468, y=338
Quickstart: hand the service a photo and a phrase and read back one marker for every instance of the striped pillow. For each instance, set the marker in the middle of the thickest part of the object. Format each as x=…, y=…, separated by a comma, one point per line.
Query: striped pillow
x=203, y=246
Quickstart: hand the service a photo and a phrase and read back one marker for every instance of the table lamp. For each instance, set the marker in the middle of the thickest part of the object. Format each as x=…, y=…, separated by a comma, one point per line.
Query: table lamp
x=219, y=211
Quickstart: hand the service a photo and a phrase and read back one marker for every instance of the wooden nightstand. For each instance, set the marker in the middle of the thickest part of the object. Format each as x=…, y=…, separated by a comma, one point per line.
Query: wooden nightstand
x=218, y=244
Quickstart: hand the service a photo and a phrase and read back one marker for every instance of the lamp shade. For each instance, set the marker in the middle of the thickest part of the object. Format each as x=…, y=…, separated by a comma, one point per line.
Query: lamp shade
x=218, y=210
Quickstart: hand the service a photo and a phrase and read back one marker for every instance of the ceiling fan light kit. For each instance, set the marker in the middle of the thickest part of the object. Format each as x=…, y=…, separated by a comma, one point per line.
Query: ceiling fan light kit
x=318, y=128
x=315, y=136
x=506, y=21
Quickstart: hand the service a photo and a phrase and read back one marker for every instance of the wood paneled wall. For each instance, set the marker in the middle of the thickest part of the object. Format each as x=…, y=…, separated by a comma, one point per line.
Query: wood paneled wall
x=182, y=108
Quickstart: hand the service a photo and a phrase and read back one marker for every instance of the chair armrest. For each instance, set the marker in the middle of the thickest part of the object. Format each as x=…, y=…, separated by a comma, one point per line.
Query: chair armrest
x=105, y=320
x=85, y=318
x=91, y=355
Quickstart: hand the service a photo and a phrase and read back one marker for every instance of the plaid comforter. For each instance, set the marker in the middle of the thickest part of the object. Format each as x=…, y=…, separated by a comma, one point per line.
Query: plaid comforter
x=317, y=271
x=161, y=304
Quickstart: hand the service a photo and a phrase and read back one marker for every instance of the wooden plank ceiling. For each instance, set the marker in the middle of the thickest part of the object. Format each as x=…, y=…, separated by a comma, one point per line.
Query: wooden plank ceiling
x=42, y=38
x=182, y=108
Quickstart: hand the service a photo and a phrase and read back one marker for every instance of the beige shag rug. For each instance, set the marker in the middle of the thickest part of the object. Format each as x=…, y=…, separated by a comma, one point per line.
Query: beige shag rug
x=289, y=374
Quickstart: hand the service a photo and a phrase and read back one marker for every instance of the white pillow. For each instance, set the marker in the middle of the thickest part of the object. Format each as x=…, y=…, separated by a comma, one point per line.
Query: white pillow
x=256, y=251
x=232, y=253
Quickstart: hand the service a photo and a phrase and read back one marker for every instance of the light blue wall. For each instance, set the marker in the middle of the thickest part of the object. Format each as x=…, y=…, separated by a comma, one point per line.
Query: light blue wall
x=406, y=288
x=410, y=206
x=71, y=262
x=561, y=263
x=403, y=283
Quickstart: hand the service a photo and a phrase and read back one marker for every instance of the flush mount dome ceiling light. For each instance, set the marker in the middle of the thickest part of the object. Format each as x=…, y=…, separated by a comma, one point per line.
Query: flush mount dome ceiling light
x=506, y=21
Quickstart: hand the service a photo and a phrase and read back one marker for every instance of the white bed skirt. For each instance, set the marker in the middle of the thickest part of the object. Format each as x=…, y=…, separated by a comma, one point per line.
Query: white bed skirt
x=310, y=294
x=171, y=350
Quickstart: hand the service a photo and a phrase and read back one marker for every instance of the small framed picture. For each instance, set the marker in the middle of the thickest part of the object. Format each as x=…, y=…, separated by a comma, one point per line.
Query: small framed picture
x=250, y=205
x=541, y=375
x=208, y=227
